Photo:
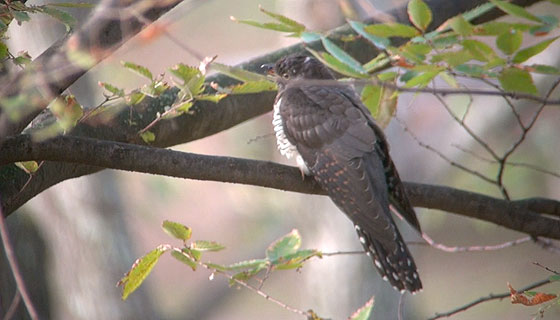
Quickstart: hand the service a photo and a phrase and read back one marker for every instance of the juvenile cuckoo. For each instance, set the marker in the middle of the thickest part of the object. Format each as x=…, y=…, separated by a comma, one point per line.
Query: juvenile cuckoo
x=323, y=125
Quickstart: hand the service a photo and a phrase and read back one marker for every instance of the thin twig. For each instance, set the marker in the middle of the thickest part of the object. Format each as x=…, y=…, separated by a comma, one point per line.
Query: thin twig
x=9, y=249
x=13, y=306
x=442, y=247
x=487, y=298
x=546, y=268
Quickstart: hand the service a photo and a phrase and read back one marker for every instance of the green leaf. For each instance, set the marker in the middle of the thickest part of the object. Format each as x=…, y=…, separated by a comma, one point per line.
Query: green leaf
x=555, y=1
x=181, y=256
x=479, y=50
x=295, y=260
x=67, y=111
x=143, y=71
x=21, y=16
x=148, y=136
x=376, y=63
x=296, y=26
x=111, y=88
x=421, y=80
x=380, y=42
x=408, y=75
x=268, y=25
x=516, y=80
x=510, y=41
x=202, y=245
x=308, y=37
x=555, y=277
x=371, y=97
x=496, y=28
x=59, y=15
x=451, y=81
x=392, y=30
x=460, y=25
x=177, y=230
x=453, y=58
x=237, y=73
x=524, y=54
x=386, y=76
x=191, y=78
x=419, y=14
x=140, y=270
x=193, y=253
x=364, y=312
x=28, y=166
x=445, y=42
x=472, y=70
x=253, y=87
x=248, y=264
x=415, y=52
x=544, y=69
x=342, y=56
x=336, y=65
x=515, y=10
x=3, y=50
x=134, y=98
x=286, y=245
x=211, y=97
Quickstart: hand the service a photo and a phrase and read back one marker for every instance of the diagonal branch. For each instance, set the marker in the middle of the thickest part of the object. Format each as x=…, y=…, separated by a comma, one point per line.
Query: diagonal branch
x=166, y=162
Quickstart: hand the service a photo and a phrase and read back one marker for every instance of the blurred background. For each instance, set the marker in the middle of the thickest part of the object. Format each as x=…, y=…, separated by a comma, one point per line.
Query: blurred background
x=82, y=235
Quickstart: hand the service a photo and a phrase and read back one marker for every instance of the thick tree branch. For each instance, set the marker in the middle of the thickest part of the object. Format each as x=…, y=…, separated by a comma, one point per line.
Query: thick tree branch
x=205, y=119
x=166, y=162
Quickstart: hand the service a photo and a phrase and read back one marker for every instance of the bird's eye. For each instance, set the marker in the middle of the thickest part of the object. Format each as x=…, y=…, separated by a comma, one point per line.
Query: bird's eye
x=285, y=75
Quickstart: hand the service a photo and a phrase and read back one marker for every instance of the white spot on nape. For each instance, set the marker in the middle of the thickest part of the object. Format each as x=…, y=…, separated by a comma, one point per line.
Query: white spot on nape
x=378, y=264
x=363, y=240
x=395, y=276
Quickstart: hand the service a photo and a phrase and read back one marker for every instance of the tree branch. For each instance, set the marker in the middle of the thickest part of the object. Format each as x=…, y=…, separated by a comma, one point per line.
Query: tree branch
x=172, y=163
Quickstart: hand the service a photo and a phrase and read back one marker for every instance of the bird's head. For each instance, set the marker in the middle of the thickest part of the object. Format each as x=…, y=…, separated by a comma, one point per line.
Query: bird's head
x=298, y=67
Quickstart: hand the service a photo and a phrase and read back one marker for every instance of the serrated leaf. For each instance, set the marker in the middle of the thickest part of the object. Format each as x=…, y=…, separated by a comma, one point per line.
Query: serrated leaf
x=65, y=18
x=112, y=89
x=472, y=70
x=194, y=253
x=364, y=312
x=495, y=28
x=296, y=26
x=203, y=245
x=371, y=97
x=392, y=30
x=541, y=68
x=335, y=64
x=286, y=245
x=248, y=264
x=510, y=41
x=237, y=73
x=516, y=80
x=378, y=62
x=177, y=230
x=479, y=50
x=515, y=10
x=380, y=42
x=179, y=255
x=253, y=87
x=342, y=56
x=525, y=54
x=148, y=136
x=419, y=14
x=140, y=270
x=460, y=25
x=421, y=80
x=28, y=166
x=295, y=260
x=143, y=71
x=453, y=58
x=191, y=78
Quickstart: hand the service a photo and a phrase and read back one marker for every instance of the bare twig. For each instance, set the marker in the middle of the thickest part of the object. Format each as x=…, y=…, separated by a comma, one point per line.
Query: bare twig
x=13, y=306
x=489, y=297
x=442, y=247
x=10, y=255
x=546, y=268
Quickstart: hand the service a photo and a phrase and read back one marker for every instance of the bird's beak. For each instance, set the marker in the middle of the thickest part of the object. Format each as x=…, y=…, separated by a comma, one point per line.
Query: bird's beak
x=268, y=68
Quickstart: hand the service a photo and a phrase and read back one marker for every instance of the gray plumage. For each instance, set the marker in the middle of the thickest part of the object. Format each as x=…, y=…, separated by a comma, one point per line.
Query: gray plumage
x=331, y=133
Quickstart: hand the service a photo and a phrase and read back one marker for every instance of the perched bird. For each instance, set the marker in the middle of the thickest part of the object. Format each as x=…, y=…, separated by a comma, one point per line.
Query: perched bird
x=333, y=137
